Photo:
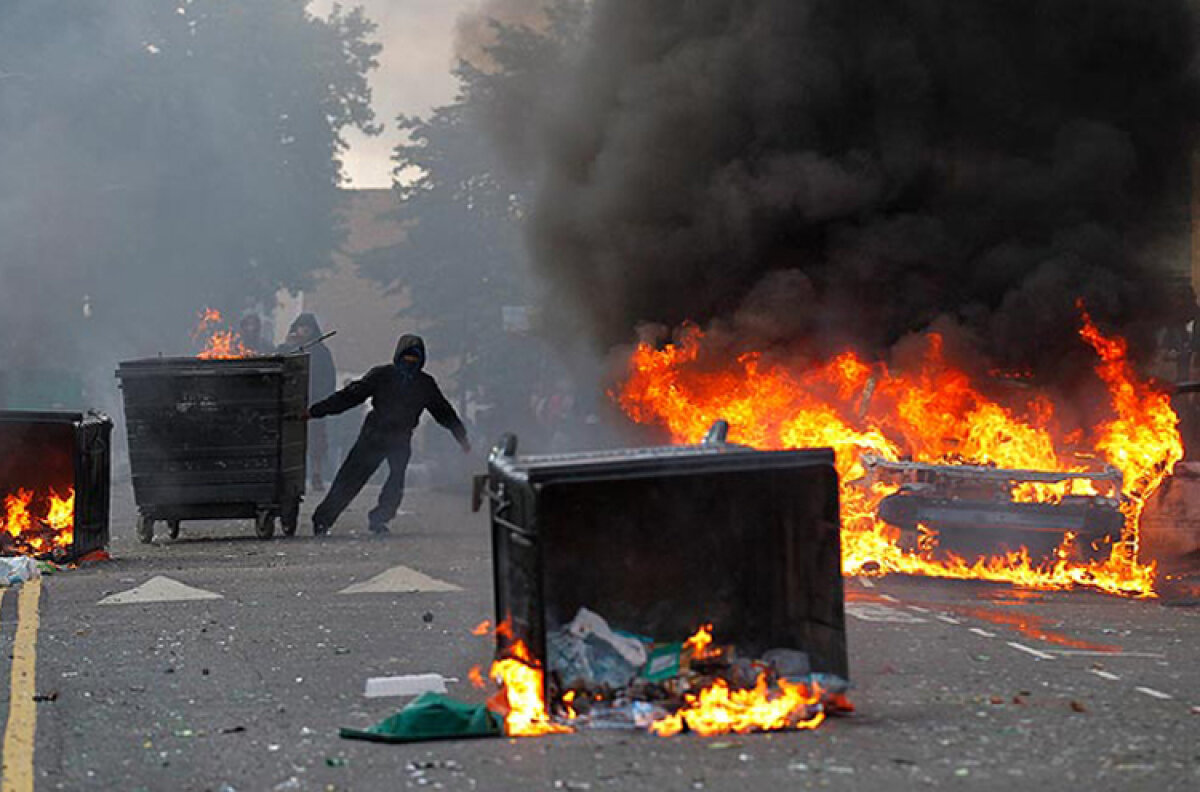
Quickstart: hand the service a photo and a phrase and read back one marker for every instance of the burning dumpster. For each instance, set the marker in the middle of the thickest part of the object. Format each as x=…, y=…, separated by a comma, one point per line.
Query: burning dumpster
x=656, y=542
x=216, y=439
x=54, y=483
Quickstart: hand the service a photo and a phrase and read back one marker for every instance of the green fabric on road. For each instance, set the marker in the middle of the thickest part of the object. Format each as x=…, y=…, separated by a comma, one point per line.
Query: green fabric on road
x=432, y=716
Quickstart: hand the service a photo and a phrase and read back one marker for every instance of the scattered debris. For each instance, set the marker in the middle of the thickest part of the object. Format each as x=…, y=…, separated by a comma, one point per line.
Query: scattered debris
x=18, y=569
x=1078, y=706
x=408, y=685
x=42, y=697
x=94, y=557
x=434, y=764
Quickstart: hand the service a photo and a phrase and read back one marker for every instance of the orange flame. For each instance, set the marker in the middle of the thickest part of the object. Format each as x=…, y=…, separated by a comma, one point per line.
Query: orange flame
x=17, y=519
x=522, y=687
x=718, y=709
x=31, y=531
x=218, y=342
x=700, y=642
x=932, y=414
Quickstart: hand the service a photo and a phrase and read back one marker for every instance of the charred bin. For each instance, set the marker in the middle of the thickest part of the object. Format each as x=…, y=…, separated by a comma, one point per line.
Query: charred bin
x=54, y=483
x=216, y=439
x=661, y=540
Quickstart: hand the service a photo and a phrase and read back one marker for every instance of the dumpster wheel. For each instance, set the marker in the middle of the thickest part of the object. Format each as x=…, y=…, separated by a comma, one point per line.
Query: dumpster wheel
x=264, y=525
x=145, y=529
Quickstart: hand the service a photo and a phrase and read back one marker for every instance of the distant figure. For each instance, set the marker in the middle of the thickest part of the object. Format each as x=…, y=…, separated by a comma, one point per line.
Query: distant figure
x=399, y=394
x=322, y=381
x=251, y=337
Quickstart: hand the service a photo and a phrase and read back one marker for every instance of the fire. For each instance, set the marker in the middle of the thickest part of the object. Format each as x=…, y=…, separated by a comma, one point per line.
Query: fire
x=522, y=690
x=34, y=525
x=932, y=413
x=18, y=521
x=700, y=642
x=718, y=709
x=218, y=342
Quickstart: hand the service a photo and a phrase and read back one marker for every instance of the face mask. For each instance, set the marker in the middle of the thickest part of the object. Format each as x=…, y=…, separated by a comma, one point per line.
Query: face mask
x=408, y=366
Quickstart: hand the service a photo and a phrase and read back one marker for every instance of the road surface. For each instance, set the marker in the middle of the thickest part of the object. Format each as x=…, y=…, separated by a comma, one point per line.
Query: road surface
x=241, y=681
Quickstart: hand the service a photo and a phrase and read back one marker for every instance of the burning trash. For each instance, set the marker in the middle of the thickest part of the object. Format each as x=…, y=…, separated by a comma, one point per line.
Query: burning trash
x=925, y=452
x=218, y=341
x=604, y=678
x=40, y=524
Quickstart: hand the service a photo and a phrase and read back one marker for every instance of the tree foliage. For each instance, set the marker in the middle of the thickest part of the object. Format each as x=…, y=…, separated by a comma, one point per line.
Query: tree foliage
x=160, y=157
x=461, y=189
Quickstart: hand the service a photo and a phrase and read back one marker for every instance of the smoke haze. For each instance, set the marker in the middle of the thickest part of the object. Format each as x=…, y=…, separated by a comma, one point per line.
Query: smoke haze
x=819, y=172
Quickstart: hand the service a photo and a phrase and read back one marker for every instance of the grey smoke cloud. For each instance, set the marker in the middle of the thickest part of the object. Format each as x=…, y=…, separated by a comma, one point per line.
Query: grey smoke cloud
x=817, y=172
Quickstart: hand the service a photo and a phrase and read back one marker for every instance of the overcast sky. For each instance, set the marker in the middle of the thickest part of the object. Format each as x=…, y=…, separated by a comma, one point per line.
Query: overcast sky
x=413, y=74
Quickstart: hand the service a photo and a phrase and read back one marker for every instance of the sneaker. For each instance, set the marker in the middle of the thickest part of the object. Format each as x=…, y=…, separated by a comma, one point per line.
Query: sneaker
x=379, y=529
x=320, y=530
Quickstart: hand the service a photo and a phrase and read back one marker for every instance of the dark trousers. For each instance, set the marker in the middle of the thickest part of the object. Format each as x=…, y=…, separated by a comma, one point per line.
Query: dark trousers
x=368, y=453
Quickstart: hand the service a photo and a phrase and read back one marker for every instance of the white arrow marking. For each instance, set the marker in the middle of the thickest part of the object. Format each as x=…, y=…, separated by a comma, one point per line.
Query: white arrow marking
x=159, y=589
x=400, y=580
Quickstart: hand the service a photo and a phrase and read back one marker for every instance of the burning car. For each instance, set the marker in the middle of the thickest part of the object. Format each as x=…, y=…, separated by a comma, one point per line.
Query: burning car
x=949, y=454
x=974, y=510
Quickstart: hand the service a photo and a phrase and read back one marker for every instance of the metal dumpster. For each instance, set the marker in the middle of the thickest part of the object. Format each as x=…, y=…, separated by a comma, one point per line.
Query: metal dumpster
x=64, y=455
x=661, y=540
x=216, y=439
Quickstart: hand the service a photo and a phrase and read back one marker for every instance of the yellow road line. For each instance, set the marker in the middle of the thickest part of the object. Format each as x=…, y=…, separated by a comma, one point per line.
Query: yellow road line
x=22, y=709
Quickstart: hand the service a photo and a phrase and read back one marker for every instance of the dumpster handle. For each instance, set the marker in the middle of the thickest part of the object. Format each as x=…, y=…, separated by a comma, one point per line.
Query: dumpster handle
x=717, y=433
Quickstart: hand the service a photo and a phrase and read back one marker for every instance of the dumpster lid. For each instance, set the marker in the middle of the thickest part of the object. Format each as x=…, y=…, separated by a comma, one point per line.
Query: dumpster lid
x=49, y=416
x=191, y=366
x=713, y=455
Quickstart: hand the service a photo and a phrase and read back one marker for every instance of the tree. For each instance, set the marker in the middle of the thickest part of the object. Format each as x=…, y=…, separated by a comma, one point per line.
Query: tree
x=461, y=191
x=161, y=157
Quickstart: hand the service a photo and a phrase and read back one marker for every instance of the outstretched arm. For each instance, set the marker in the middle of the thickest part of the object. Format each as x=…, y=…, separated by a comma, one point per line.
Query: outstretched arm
x=443, y=412
x=348, y=397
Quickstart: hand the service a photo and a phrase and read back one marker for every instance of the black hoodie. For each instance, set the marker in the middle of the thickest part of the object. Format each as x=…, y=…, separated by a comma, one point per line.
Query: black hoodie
x=399, y=394
x=322, y=374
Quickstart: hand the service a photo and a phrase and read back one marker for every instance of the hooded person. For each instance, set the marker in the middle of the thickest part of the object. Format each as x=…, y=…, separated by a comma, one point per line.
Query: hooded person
x=322, y=381
x=400, y=393
x=250, y=335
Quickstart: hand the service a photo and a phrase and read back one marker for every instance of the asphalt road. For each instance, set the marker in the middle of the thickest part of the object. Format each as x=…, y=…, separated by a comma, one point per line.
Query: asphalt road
x=959, y=685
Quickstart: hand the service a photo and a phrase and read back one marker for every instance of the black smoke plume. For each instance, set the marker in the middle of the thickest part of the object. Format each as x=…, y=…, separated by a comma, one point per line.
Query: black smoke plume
x=820, y=172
